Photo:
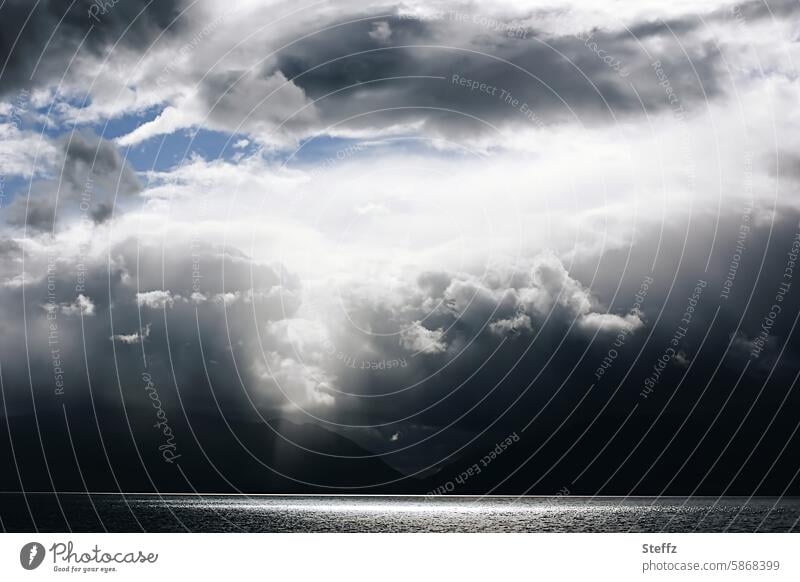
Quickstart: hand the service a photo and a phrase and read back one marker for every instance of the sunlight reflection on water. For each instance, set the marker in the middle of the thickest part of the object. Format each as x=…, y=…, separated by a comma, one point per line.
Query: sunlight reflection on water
x=275, y=513
x=253, y=513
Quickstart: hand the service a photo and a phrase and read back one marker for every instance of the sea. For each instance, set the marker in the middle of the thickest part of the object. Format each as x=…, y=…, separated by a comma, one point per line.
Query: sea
x=42, y=512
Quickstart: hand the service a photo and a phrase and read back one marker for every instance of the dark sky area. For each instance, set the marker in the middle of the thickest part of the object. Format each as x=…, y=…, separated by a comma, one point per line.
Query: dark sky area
x=553, y=250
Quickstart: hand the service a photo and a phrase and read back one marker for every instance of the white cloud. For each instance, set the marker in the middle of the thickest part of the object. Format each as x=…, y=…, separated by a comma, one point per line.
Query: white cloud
x=381, y=31
x=24, y=153
x=158, y=299
x=246, y=102
x=419, y=339
x=610, y=322
x=132, y=338
x=228, y=298
x=297, y=384
x=168, y=121
x=520, y=322
x=82, y=305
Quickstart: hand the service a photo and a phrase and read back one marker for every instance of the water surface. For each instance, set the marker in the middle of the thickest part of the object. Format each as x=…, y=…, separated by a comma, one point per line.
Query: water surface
x=241, y=513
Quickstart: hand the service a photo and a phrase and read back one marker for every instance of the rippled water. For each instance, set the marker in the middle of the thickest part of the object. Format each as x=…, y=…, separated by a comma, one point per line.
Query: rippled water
x=394, y=514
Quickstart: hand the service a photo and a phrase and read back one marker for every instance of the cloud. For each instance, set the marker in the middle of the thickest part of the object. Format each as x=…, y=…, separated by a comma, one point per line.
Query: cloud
x=158, y=299
x=168, y=121
x=421, y=340
x=296, y=383
x=38, y=40
x=234, y=101
x=611, y=323
x=81, y=306
x=18, y=152
x=79, y=178
x=102, y=212
x=88, y=158
x=356, y=75
x=36, y=213
x=407, y=270
x=132, y=338
x=381, y=31
x=512, y=325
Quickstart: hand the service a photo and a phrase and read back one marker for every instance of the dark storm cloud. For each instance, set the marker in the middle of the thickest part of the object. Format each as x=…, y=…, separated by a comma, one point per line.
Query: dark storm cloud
x=37, y=213
x=243, y=101
x=140, y=288
x=479, y=355
x=87, y=176
x=102, y=213
x=489, y=380
x=497, y=378
x=88, y=157
x=123, y=410
x=459, y=73
x=210, y=394
x=50, y=31
x=586, y=77
x=557, y=78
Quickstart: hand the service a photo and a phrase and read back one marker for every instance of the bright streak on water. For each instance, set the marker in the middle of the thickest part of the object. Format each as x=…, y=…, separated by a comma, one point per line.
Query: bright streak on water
x=234, y=513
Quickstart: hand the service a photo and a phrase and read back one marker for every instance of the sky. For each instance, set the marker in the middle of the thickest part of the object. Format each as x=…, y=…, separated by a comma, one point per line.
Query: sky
x=327, y=246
